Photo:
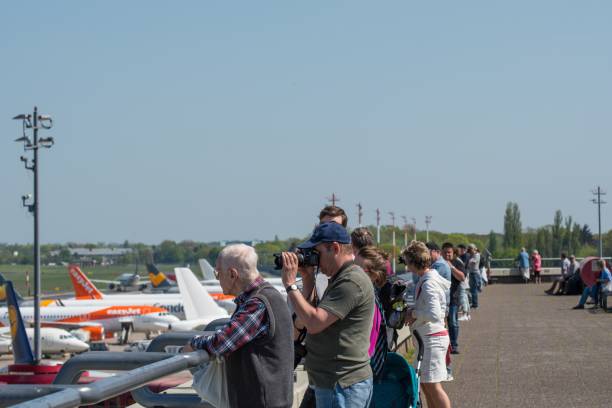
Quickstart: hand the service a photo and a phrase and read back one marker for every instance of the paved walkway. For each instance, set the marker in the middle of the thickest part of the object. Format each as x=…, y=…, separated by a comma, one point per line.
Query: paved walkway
x=523, y=348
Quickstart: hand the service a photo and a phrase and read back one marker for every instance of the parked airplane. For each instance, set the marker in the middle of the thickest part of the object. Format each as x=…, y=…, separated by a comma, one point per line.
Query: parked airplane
x=196, y=306
x=52, y=340
x=173, y=302
x=98, y=319
x=125, y=282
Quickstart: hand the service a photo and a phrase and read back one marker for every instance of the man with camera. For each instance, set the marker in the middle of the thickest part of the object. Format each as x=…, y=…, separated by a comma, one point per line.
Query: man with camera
x=339, y=327
x=257, y=342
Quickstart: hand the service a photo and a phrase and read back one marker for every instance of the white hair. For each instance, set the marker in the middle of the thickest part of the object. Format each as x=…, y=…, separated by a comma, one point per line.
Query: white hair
x=241, y=257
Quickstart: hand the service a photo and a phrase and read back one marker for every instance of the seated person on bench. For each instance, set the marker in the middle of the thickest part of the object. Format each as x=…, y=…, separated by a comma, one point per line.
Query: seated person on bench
x=567, y=270
x=593, y=290
x=605, y=285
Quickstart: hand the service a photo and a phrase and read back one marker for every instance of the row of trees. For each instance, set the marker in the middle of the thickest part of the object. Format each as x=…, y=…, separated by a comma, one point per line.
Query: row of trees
x=563, y=235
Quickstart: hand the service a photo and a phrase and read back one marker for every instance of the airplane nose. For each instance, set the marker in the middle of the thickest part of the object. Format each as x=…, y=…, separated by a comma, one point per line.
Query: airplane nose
x=81, y=346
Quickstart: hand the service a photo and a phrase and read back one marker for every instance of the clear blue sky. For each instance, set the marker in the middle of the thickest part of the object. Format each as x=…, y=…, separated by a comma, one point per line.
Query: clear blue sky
x=234, y=120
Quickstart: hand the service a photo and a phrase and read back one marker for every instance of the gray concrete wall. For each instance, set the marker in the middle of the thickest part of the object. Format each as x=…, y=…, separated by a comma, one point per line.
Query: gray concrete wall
x=509, y=275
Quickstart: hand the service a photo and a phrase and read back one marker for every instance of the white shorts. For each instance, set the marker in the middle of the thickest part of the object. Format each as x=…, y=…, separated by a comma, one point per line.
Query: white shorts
x=433, y=367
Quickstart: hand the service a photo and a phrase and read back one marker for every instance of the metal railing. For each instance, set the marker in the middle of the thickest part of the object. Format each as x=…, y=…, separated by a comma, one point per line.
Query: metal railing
x=67, y=396
x=143, y=367
x=546, y=262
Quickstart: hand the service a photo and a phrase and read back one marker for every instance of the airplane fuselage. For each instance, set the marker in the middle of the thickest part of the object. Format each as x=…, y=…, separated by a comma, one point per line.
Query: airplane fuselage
x=111, y=318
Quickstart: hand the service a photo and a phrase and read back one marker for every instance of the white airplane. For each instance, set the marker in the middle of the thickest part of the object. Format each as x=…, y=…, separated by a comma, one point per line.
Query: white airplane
x=100, y=320
x=52, y=341
x=87, y=294
x=96, y=319
x=125, y=282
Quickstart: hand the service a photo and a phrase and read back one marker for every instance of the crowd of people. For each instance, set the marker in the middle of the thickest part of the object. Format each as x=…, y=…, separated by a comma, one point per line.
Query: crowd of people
x=338, y=313
x=338, y=317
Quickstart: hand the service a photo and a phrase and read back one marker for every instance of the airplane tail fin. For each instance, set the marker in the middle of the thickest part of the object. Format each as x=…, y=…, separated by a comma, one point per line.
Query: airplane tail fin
x=196, y=300
x=22, y=352
x=17, y=295
x=157, y=278
x=83, y=287
x=207, y=271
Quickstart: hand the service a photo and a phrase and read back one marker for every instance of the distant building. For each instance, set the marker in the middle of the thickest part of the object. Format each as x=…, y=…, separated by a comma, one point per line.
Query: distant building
x=249, y=243
x=95, y=256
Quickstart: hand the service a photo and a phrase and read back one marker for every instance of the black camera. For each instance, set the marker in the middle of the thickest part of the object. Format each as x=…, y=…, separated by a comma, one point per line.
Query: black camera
x=306, y=257
x=401, y=260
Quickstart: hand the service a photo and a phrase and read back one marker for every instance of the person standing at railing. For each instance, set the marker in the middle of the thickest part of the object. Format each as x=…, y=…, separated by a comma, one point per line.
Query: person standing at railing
x=458, y=275
x=257, y=342
x=536, y=261
x=473, y=271
x=523, y=264
x=427, y=319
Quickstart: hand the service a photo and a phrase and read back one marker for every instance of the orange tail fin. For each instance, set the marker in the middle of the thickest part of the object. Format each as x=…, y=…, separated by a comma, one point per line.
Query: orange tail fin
x=83, y=288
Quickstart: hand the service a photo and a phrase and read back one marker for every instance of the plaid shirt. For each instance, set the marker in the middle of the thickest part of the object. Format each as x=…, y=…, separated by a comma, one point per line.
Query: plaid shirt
x=248, y=322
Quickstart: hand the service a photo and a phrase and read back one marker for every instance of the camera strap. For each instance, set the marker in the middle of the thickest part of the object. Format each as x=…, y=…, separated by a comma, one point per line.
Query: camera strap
x=302, y=331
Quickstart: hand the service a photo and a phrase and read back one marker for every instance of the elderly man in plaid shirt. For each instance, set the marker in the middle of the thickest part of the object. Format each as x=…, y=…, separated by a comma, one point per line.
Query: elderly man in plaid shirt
x=257, y=342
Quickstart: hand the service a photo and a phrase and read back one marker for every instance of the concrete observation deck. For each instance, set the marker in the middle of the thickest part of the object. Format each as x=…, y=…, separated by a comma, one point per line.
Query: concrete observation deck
x=524, y=348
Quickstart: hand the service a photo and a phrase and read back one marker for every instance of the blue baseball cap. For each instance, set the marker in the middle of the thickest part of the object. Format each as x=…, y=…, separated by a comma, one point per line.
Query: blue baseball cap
x=327, y=232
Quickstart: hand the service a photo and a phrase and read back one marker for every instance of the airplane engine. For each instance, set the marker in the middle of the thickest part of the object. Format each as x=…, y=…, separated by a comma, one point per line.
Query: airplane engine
x=112, y=286
x=154, y=323
x=96, y=333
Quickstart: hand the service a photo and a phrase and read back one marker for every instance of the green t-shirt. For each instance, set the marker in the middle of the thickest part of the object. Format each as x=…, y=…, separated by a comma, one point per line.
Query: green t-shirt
x=339, y=354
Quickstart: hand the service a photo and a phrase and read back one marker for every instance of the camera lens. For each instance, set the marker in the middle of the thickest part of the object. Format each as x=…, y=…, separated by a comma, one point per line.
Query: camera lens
x=278, y=261
x=300, y=258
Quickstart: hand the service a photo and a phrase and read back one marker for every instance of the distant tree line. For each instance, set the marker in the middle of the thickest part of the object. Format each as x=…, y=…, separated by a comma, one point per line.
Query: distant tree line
x=563, y=235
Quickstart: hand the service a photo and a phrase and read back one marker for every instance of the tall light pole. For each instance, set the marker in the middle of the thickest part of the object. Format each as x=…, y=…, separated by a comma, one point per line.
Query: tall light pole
x=392, y=215
x=378, y=226
x=599, y=202
x=427, y=222
x=405, y=219
x=359, y=213
x=414, y=226
x=32, y=203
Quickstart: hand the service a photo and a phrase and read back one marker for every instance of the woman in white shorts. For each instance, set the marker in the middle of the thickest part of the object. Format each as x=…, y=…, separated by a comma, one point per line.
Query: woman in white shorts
x=427, y=318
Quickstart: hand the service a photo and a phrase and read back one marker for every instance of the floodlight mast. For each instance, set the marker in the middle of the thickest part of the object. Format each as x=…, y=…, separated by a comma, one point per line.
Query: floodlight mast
x=35, y=122
x=599, y=192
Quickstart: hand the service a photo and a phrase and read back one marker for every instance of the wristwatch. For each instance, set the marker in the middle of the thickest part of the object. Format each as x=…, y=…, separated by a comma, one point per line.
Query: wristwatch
x=291, y=287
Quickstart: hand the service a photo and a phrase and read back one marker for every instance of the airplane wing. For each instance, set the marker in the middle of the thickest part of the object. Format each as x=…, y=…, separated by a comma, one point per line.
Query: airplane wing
x=70, y=325
x=106, y=281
